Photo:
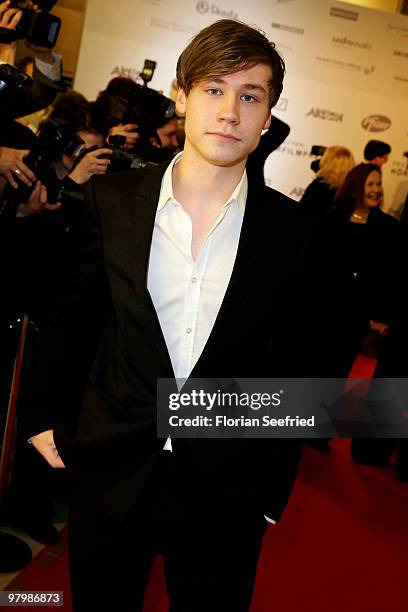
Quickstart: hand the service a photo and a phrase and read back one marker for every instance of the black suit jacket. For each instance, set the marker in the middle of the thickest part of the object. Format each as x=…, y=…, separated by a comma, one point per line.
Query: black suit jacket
x=104, y=314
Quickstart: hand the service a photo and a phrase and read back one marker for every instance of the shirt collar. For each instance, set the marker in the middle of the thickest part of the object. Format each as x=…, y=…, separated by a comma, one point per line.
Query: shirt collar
x=239, y=195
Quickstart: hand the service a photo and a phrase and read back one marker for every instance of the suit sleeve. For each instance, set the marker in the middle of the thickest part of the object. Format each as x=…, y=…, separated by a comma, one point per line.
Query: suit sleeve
x=69, y=337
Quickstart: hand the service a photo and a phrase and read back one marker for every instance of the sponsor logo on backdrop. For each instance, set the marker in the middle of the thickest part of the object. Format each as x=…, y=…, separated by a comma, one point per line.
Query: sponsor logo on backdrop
x=287, y=28
x=350, y=66
x=347, y=43
x=204, y=7
x=294, y=148
x=124, y=71
x=328, y=115
x=376, y=123
x=398, y=30
x=282, y=104
x=174, y=26
x=153, y=2
x=336, y=11
x=401, y=54
x=399, y=168
x=281, y=48
x=296, y=192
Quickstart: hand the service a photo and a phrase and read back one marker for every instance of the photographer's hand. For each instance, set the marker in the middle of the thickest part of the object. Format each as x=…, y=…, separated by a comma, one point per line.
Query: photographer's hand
x=37, y=202
x=90, y=164
x=12, y=166
x=129, y=131
x=9, y=19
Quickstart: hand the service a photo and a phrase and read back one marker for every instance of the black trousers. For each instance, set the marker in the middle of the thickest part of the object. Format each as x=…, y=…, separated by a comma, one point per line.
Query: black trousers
x=210, y=553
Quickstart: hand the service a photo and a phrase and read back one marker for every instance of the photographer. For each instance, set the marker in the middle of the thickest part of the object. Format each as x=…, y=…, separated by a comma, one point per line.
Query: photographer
x=137, y=114
x=47, y=75
x=110, y=106
x=38, y=244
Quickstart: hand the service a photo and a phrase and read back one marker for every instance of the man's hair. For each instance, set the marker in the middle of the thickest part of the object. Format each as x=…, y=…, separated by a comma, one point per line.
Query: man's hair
x=376, y=148
x=225, y=47
x=351, y=192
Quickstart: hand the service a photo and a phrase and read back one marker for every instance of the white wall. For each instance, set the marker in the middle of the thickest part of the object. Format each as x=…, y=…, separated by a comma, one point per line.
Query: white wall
x=345, y=63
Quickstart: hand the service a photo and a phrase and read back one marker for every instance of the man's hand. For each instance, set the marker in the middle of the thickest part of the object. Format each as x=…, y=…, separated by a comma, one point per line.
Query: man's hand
x=90, y=164
x=129, y=131
x=12, y=166
x=9, y=18
x=44, y=443
x=37, y=202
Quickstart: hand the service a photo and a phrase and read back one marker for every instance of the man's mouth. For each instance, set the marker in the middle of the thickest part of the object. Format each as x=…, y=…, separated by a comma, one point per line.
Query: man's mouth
x=225, y=136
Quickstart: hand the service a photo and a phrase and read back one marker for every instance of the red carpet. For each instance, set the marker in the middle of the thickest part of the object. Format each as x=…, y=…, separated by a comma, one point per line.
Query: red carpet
x=342, y=544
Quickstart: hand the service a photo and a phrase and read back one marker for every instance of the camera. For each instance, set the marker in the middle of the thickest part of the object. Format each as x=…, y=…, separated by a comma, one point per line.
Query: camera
x=120, y=159
x=123, y=103
x=39, y=27
x=318, y=151
x=142, y=106
x=54, y=139
x=11, y=82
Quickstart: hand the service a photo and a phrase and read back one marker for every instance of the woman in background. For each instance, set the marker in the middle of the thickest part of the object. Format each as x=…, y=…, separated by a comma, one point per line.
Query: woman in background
x=362, y=246
x=363, y=250
x=333, y=169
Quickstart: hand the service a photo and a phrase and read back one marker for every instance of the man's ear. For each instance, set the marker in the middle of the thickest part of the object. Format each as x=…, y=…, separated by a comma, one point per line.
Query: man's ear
x=181, y=101
x=268, y=121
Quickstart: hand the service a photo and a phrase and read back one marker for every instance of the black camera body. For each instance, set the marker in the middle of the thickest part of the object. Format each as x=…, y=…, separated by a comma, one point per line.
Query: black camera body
x=55, y=139
x=120, y=160
x=38, y=27
x=12, y=81
x=318, y=151
x=140, y=108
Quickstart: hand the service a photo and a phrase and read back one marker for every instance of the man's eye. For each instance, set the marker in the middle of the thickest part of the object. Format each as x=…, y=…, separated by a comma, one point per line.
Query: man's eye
x=248, y=98
x=213, y=91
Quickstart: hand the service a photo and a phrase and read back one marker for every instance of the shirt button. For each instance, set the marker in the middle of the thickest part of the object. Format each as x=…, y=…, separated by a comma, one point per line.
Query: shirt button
x=188, y=330
x=194, y=279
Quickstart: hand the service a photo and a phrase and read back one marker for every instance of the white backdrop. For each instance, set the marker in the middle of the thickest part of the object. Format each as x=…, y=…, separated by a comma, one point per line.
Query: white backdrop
x=347, y=71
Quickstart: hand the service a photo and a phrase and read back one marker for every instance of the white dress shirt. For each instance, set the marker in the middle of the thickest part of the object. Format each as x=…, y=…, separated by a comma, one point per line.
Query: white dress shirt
x=187, y=293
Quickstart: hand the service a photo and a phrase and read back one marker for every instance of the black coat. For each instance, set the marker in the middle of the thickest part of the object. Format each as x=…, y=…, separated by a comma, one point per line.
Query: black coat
x=361, y=275
x=318, y=198
x=104, y=307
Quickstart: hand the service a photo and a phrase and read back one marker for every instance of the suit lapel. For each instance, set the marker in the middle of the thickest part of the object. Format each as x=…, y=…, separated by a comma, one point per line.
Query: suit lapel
x=252, y=236
x=142, y=214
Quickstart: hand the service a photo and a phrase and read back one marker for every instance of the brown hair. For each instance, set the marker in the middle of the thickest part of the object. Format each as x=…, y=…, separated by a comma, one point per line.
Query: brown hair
x=225, y=47
x=352, y=189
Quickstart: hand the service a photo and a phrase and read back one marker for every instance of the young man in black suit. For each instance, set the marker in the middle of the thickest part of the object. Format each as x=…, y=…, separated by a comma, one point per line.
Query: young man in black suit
x=185, y=270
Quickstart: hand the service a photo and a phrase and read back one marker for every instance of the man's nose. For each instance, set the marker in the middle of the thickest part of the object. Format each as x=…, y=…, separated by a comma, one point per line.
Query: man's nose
x=229, y=108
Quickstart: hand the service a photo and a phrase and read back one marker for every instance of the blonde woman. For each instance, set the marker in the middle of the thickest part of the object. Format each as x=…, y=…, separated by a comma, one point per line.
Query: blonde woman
x=334, y=167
